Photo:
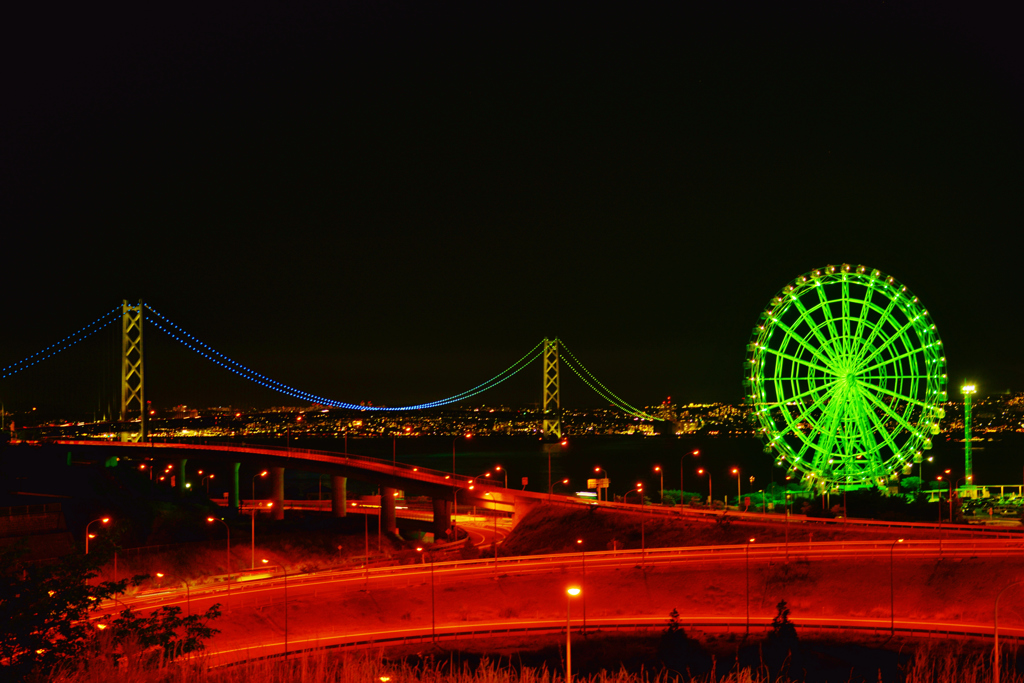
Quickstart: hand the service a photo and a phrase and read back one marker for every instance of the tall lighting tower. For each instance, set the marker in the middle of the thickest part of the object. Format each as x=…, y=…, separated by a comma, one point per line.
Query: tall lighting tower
x=968, y=390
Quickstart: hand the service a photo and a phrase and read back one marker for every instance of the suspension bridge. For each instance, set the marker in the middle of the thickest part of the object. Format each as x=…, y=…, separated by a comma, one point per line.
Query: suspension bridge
x=445, y=489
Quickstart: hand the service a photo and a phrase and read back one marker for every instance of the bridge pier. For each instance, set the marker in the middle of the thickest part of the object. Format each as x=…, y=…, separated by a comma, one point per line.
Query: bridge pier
x=442, y=518
x=233, y=500
x=339, y=496
x=179, y=482
x=277, y=492
x=387, y=509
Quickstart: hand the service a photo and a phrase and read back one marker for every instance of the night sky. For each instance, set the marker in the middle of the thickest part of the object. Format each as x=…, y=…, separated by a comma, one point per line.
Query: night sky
x=392, y=202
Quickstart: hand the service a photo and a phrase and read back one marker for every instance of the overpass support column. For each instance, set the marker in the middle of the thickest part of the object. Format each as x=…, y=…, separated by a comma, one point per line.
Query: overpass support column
x=179, y=482
x=442, y=518
x=387, y=508
x=233, y=501
x=277, y=492
x=339, y=495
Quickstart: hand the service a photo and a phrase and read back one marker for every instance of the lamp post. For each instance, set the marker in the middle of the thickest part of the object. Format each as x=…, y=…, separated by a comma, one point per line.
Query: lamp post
x=583, y=559
x=965, y=480
x=188, y=595
x=711, y=499
x=551, y=488
x=252, y=513
x=601, y=469
x=749, y=543
x=433, y=622
x=285, y=573
x=892, y=590
x=261, y=474
x=694, y=453
x=995, y=619
x=102, y=520
x=736, y=471
x=320, y=491
x=572, y=592
x=968, y=391
x=495, y=543
x=643, y=545
x=661, y=476
x=504, y=472
x=228, y=529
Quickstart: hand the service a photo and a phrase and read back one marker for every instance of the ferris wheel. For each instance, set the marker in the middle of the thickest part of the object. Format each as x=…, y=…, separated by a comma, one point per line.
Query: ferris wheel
x=845, y=373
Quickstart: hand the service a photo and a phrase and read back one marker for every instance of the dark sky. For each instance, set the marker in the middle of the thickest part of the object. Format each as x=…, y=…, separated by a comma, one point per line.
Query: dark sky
x=393, y=201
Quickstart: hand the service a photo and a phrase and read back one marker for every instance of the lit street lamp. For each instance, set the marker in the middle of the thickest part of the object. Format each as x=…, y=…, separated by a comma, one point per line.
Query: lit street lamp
x=682, y=496
x=102, y=520
x=736, y=471
x=572, y=592
x=433, y=621
x=749, y=543
x=892, y=590
x=252, y=513
x=711, y=499
x=601, y=469
x=995, y=619
x=661, y=476
x=551, y=488
x=188, y=595
x=261, y=474
x=583, y=559
x=465, y=436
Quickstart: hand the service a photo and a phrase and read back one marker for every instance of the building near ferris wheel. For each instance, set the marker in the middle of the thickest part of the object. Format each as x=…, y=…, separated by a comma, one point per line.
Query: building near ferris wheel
x=845, y=375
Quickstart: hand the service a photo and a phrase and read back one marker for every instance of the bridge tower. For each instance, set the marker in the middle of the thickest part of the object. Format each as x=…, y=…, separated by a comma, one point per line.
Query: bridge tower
x=132, y=385
x=551, y=425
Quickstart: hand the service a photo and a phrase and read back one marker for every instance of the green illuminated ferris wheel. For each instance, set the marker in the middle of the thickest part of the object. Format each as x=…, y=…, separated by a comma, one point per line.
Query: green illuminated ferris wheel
x=845, y=373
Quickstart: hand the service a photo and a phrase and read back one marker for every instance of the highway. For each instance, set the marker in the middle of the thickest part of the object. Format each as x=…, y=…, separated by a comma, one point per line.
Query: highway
x=625, y=588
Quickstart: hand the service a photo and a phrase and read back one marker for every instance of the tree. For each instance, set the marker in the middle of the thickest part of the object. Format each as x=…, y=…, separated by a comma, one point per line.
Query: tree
x=681, y=653
x=45, y=610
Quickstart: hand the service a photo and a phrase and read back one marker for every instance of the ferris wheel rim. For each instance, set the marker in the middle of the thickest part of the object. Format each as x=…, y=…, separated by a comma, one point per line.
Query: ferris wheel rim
x=867, y=371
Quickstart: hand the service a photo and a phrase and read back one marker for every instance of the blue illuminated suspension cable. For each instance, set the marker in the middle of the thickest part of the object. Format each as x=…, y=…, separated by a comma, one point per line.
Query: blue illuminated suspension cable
x=220, y=359
x=57, y=347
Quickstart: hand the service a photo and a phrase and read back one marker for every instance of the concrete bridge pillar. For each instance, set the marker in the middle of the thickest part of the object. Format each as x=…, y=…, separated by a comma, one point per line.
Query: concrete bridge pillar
x=233, y=501
x=387, y=509
x=442, y=518
x=179, y=482
x=339, y=496
x=277, y=492
x=523, y=506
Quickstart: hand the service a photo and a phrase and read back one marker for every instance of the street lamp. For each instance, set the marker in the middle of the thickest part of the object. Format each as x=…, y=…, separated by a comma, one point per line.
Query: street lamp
x=682, y=496
x=102, y=520
x=188, y=595
x=252, y=513
x=601, y=469
x=261, y=474
x=711, y=499
x=551, y=489
x=433, y=621
x=892, y=591
x=571, y=593
x=968, y=390
x=661, y=476
x=995, y=619
x=583, y=559
x=749, y=543
x=206, y=480
x=501, y=469
x=285, y=573
x=228, y=529
x=736, y=471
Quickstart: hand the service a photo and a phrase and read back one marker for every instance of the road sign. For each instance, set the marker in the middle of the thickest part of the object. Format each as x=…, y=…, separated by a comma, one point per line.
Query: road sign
x=526, y=480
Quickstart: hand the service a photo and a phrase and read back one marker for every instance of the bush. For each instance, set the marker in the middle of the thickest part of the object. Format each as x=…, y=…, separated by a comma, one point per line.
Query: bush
x=679, y=652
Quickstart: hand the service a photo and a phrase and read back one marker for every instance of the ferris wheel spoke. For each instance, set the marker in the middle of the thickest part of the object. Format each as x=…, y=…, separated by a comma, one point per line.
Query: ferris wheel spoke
x=890, y=360
x=792, y=424
x=889, y=411
x=797, y=397
x=894, y=394
x=882, y=319
x=801, y=361
x=826, y=309
x=888, y=342
x=790, y=334
x=857, y=338
x=805, y=316
x=847, y=337
x=879, y=427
